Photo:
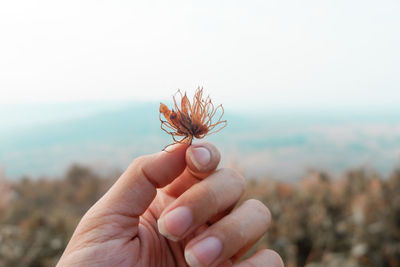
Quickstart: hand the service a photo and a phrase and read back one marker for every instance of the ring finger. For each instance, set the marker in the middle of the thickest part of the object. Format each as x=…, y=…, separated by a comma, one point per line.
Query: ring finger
x=229, y=236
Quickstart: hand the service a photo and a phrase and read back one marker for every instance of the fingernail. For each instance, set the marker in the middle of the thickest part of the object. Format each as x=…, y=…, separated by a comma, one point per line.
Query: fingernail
x=200, y=157
x=204, y=252
x=175, y=223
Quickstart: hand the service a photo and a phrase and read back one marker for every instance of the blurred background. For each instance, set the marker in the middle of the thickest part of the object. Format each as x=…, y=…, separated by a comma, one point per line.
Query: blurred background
x=311, y=92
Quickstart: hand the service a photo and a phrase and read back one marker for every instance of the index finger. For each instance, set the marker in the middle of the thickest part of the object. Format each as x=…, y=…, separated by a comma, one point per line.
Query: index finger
x=199, y=163
x=202, y=159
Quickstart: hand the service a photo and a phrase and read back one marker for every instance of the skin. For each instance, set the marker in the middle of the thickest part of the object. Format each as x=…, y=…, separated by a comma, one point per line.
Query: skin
x=172, y=208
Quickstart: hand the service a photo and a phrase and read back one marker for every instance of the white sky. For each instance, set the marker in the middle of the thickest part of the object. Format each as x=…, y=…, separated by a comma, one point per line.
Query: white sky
x=247, y=53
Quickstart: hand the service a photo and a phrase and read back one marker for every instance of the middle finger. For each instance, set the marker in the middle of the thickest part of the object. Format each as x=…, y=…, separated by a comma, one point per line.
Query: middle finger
x=211, y=196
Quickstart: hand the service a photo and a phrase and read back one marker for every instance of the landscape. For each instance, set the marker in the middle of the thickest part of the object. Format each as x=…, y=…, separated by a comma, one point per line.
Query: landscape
x=331, y=181
x=321, y=221
x=44, y=140
x=310, y=92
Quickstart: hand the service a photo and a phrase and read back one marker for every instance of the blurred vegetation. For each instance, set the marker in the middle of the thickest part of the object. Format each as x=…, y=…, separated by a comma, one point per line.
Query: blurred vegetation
x=353, y=220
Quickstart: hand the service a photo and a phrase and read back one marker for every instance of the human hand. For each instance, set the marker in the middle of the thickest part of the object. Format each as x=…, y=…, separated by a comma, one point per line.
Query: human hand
x=172, y=209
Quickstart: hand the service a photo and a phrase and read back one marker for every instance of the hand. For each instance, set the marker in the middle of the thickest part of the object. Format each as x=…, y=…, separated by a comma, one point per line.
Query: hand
x=172, y=209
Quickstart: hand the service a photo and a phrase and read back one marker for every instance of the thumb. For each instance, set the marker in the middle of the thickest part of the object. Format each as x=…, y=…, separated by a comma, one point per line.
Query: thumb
x=134, y=191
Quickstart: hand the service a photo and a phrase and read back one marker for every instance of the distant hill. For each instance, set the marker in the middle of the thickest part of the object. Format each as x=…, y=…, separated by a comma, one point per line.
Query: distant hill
x=279, y=144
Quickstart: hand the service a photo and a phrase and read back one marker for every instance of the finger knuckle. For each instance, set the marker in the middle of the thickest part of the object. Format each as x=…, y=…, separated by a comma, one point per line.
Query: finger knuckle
x=259, y=207
x=235, y=176
x=137, y=162
x=212, y=198
x=274, y=259
x=242, y=182
x=139, y=165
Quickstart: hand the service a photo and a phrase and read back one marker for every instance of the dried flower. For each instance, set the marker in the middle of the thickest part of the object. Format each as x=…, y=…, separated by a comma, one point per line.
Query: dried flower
x=192, y=119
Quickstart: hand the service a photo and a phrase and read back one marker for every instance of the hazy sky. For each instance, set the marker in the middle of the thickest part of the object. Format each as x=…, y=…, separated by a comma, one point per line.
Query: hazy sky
x=246, y=53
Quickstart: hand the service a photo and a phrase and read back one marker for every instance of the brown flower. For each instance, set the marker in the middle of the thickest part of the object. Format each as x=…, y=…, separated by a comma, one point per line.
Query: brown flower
x=191, y=120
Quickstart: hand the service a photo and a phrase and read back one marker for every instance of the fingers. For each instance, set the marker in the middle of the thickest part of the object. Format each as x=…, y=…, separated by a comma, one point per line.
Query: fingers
x=198, y=204
x=265, y=257
x=136, y=188
x=222, y=240
x=202, y=159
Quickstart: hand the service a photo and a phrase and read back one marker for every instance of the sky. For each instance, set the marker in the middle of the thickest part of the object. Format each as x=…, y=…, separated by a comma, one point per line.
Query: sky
x=247, y=54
